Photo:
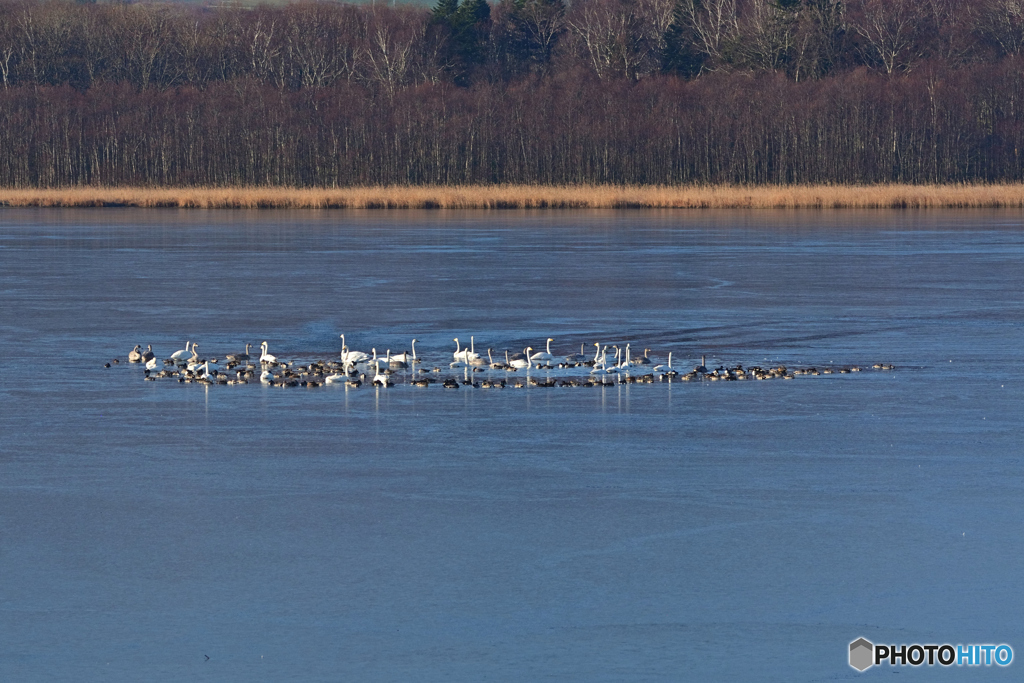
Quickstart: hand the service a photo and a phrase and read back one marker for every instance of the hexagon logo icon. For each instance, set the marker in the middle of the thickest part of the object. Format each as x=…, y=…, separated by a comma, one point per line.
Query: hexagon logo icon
x=861, y=654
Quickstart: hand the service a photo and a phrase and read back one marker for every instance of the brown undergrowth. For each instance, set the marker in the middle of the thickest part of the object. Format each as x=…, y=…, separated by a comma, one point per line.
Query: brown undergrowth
x=531, y=197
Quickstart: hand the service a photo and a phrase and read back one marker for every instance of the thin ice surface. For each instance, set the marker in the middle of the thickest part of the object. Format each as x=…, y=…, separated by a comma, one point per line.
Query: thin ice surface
x=740, y=531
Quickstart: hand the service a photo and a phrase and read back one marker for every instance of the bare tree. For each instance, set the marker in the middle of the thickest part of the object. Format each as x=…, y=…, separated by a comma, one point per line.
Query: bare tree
x=951, y=25
x=8, y=45
x=608, y=36
x=890, y=31
x=769, y=34
x=1004, y=21
x=391, y=37
x=190, y=55
x=323, y=43
x=820, y=37
x=715, y=25
x=138, y=34
x=543, y=22
x=655, y=18
x=264, y=51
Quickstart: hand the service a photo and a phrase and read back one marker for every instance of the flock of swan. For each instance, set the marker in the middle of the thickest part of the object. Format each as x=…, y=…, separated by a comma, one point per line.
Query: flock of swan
x=609, y=364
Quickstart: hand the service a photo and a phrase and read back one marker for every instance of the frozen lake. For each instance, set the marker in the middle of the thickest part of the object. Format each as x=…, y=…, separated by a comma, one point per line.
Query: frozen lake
x=706, y=531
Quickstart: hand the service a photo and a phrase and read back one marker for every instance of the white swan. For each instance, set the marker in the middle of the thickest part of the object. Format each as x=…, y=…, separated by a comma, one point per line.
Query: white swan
x=464, y=355
x=264, y=357
x=460, y=358
x=135, y=356
x=615, y=367
x=376, y=362
x=544, y=357
x=181, y=354
x=405, y=357
x=353, y=356
x=525, y=361
x=194, y=364
x=666, y=367
x=151, y=364
x=205, y=368
x=266, y=377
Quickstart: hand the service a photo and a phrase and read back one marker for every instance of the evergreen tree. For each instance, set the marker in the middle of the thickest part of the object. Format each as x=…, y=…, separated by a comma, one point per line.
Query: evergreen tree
x=444, y=10
x=537, y=25
x=466, y=27
x=681, y=55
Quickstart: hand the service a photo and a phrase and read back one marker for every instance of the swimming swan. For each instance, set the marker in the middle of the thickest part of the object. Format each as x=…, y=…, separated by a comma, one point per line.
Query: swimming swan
x=181, y=354
x=353, y=356
x=544, y=357
x=464, y=355
x=524, y=361
x=264, y=357
x=576, y=357
x=237, y=357
x=405, y=357
x=394, y=363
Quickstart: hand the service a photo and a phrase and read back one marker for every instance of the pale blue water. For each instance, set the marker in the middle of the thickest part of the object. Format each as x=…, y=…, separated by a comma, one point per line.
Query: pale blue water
x=710, y=531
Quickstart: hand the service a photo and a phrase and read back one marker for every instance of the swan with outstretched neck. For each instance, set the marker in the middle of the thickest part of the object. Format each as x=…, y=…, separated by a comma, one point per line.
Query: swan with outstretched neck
x=497, y=365
x=181, y=354
x=524, y=361
x=668, y=368
x=238, y=357
x=405, y=357
x=353, y=356
x=394, y=363
x=264, y=357
x=464, y=355
x=544, y=357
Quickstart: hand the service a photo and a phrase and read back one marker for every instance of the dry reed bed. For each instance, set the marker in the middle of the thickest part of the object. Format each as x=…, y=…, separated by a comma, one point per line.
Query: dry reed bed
x=531, y=197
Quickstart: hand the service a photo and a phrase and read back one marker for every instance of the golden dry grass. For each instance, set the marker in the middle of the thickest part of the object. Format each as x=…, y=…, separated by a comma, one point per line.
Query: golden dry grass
x=532, y=197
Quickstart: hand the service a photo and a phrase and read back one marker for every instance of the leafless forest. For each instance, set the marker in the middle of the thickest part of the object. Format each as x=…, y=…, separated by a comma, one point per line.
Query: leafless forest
x=520, y=92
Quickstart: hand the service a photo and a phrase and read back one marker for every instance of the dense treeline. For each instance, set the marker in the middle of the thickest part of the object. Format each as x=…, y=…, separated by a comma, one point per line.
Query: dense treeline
x=522, y=91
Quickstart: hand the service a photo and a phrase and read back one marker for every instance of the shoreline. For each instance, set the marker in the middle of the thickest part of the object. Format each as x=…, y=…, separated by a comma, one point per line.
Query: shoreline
x=505, y=197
